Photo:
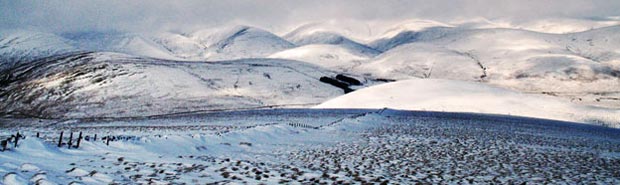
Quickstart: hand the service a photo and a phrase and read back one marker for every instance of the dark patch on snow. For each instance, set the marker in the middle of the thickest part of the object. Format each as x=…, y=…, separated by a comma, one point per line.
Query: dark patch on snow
x=349, y=80
x=384, y=80
x=337, y=83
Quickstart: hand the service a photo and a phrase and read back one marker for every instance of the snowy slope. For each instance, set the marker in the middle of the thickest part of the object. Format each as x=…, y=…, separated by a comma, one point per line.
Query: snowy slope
x=357, y=31
x=574, y=65
x=326, y=55
x=408, y=36
x=414, y=25
x=566, y=25
x=113, y=85
x=303, y=37
x=222, y=43
x=314, y=147
x=181, y=46
x=128, y=43
x=458, y=96
x=20, y=46
x=420, y=60
x=582, y=67
x=239, y=42
x=322, y=44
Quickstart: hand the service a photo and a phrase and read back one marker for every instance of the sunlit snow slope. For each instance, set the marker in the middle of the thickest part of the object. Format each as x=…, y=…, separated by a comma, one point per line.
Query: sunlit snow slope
x=458, y=96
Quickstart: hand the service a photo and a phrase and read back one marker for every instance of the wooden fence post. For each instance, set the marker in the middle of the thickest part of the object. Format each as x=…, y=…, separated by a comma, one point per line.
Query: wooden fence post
x=95, y=139
x=16, y=139
x=60, y=140
x=70, y=140
x=79, y=139
x=4, y=143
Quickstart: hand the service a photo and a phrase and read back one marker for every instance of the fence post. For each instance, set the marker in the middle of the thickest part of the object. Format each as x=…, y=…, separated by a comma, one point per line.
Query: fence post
x=70, y=140
x=79, y=139
x=37, y=134
x=95, y=138
x=60, y=140
x=16, y=139
x=4, y=143
x=107, y=141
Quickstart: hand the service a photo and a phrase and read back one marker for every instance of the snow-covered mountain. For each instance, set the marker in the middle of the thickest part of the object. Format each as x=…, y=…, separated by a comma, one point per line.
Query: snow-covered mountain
x=357, y=31
x=409, y=36
x=118, y=85
x=128, y=43
x=582, y=67
x=421, y=60
x=239, y=42
x=566, y=25
x=302, y=37
x=18, y=46
x=575, y=65
x=326, y=55
x=320, y=46
x=459, y=96
x=415, y=25
x=227, y=43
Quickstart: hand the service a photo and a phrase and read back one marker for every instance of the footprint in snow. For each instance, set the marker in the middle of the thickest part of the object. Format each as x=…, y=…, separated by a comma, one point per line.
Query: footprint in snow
x=38, y=176
x=95, y=177
x=77, y=172
x=11, y=178
x=27, y=167
x=40, y=179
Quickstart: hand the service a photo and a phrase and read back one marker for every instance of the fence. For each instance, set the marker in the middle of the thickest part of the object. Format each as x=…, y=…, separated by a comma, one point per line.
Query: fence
x=71, y=142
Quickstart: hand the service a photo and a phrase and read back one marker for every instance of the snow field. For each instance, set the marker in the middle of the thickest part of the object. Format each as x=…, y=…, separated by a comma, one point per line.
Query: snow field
x=385, y=146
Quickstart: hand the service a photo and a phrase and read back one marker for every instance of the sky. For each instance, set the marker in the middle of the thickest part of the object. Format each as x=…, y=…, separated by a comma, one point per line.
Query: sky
x=183, y=15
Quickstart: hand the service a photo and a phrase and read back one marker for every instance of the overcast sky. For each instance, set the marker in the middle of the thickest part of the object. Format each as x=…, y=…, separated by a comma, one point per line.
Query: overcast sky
x=140, y=15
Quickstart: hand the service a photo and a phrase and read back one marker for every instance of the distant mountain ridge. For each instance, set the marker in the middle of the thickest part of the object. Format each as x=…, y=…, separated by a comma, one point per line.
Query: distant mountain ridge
x=581, y=67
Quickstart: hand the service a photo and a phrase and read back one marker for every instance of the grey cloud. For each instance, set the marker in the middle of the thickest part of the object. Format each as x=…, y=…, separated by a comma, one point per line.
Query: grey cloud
x=144, y=15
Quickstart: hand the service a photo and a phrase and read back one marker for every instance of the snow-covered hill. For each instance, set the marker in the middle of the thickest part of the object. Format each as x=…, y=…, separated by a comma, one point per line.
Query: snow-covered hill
x=225, y=43
x=581, y=67
x=239, y=42
x=566, y=25
x=19, y=46
x=117, y=85
x=301, y=38
x=459, y=96
x=357, y=31
x=326, y=55
x=415, y=25
x=575, y=65
x=128, y=43
x=320, y=46
x=421, y=60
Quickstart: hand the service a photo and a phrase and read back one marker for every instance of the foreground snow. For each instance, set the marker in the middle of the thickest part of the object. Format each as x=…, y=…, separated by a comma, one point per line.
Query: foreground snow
x=317, y=146
x=458, y=96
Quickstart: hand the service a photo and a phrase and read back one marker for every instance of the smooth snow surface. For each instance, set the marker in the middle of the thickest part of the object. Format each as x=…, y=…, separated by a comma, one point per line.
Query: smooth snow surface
x=325, y=55
x=458, y=96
